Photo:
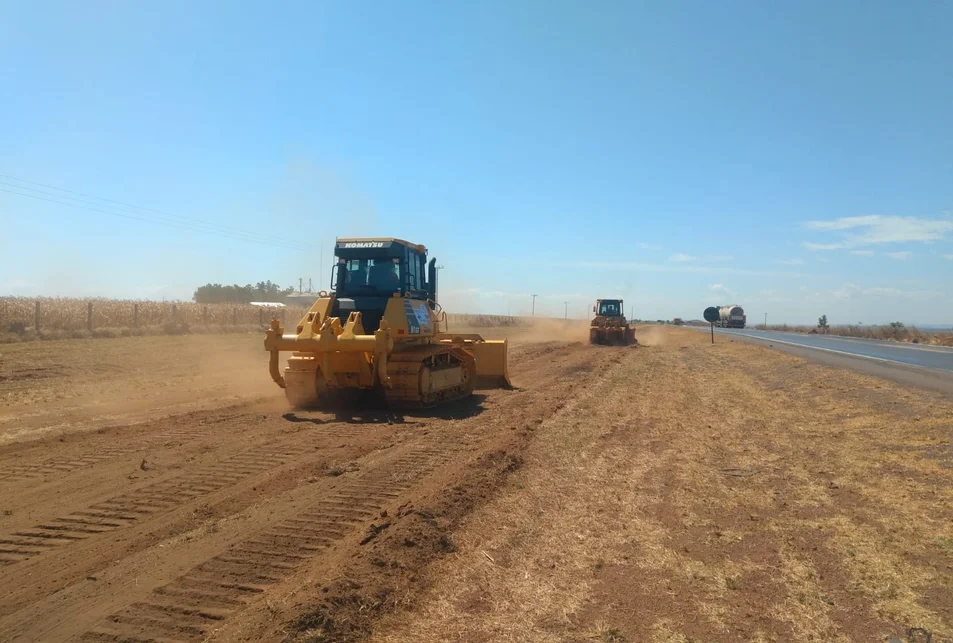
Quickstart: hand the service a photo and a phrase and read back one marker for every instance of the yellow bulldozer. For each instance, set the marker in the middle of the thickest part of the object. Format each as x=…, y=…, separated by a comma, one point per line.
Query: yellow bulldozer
x=381, y=333
x=609, y=326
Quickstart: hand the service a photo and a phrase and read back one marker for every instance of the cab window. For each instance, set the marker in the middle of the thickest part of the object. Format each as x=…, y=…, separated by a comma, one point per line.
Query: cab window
x=412, y=266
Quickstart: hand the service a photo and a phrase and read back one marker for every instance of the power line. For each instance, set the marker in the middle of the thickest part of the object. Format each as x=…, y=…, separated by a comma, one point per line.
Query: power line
x=85, y=195
x=159, y=222
x=177, y=219
x=170, y=220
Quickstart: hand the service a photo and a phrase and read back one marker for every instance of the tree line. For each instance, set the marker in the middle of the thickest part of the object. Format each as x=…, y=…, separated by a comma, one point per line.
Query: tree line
x=262, y=291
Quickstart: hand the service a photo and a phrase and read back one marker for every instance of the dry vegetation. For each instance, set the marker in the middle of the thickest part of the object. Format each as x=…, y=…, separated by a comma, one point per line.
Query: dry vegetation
x=69, y=318
x=884, y=332
x=619, y=494
x=27, y=318
x=789, y=502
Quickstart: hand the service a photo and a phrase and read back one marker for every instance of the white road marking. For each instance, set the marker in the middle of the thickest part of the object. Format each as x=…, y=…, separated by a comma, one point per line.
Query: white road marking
x=870, y=342
x=848, y=354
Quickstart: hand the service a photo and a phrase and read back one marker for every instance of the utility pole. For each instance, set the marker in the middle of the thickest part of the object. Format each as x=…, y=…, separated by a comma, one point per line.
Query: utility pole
x=534, y=304
x=766, y=321
x=299, y=285
x=309, y=285
x=566, y=315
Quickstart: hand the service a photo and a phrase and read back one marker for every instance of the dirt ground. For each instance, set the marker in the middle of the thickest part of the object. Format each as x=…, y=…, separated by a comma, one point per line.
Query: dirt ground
x=159, y=489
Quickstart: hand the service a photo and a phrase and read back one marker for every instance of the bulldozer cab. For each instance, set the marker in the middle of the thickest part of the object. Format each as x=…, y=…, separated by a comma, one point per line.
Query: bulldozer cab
x=609, y=308
x=369, y=272
x=382, y=267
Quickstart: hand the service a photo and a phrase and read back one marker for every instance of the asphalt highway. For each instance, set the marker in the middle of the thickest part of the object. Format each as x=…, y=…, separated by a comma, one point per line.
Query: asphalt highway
x=938, y=357
x=910, y=364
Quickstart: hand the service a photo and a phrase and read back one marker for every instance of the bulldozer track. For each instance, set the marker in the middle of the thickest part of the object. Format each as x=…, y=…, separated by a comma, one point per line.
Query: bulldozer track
x=67, y=464
x=53, y=466
x=126, y=509
x=62, y=465
x=262, y=500
x=190, y=607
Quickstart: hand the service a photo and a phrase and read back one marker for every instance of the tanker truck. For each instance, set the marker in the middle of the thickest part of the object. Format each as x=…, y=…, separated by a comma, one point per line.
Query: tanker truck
x=732, y=316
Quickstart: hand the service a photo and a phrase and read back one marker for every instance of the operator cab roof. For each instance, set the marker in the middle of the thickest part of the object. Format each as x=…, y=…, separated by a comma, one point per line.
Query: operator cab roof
x=357, y=243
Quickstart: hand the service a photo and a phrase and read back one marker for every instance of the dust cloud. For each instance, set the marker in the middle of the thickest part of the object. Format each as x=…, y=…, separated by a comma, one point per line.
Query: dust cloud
x=551, y=330
x=88, y=384
x=651, y=335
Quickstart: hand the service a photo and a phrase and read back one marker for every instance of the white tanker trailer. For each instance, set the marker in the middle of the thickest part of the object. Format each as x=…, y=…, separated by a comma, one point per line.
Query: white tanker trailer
x=732, y=316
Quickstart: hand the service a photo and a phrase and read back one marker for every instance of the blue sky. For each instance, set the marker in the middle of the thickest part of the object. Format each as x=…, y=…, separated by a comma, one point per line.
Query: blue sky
x=795, y=159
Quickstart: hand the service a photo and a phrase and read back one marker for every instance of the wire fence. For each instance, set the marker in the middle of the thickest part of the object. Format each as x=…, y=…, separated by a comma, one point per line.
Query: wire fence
x=20, y=314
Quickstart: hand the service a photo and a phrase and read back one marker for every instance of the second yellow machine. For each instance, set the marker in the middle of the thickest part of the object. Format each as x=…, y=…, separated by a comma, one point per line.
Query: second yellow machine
x=381, y=331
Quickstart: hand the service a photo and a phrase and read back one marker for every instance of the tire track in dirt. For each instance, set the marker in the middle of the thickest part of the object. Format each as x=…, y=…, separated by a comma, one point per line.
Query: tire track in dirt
x=68, y=464
x=192, y=605
x=196, y=582
x=147, y=502
x=100, y=453
x=152, y=500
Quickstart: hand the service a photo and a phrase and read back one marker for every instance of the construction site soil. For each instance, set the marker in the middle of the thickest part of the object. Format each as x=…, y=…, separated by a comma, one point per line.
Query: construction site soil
x=159, y=489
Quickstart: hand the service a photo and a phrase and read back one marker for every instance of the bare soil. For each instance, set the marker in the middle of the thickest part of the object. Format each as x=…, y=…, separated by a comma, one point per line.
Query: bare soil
x=158, y=489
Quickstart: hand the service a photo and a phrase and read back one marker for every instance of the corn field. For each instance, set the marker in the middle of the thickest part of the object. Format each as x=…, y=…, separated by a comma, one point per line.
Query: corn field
x=78, y=314
x=484, y=321
x=18, y=314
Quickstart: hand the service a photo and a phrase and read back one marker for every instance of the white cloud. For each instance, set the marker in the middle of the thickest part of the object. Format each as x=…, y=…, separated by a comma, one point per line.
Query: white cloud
x=720, y=289
x=847, y=291
x=863, y=253
x=685, y=267
x=853, y=291
x=906, y=294
x=948, y=256
x=823, y=246
x=875, y=229
x=898, y=255
x=647, y=246
x=790, y=262
x=771, y=296
x=682, y=258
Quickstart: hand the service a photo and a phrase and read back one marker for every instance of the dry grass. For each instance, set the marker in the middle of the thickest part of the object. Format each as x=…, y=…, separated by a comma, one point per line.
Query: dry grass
x=788, y=502
x=884, y=332
x=66, y=314
x=68, y=318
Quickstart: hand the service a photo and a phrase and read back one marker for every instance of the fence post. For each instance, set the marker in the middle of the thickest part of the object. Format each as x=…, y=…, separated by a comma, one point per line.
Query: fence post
x=36, y=316
x=89, y=316
x=135, y=315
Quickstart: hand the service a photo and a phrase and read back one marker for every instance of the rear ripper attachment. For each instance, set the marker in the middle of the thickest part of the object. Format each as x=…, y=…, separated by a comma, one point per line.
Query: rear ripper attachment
x=408, y=361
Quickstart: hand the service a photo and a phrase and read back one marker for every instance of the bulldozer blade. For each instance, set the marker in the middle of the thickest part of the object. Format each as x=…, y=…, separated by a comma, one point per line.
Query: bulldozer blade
x=490, y=356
